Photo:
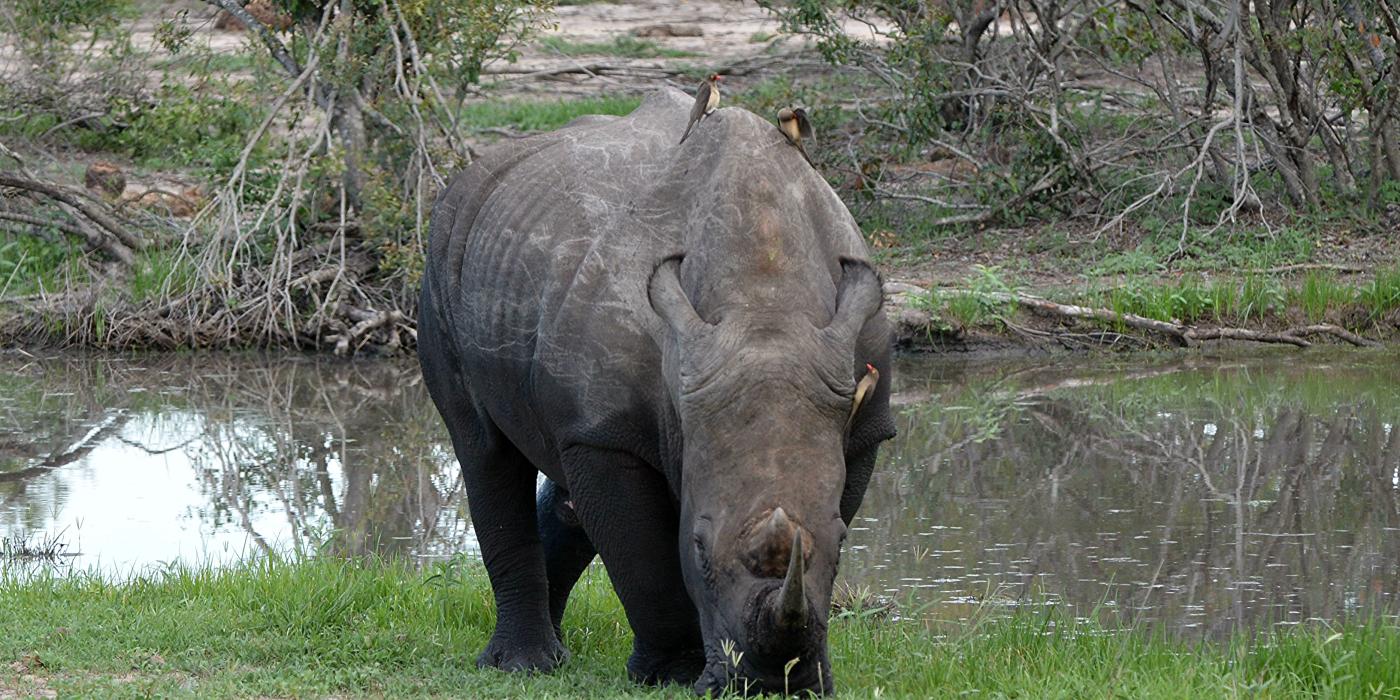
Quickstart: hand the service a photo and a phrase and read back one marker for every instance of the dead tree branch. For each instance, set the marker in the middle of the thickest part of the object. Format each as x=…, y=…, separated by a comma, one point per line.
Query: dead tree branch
x=77, y=200
x=275, y=47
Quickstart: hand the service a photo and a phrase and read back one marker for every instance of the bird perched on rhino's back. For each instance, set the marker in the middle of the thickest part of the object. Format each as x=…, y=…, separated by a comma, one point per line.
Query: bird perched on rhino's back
x=676, y=344
x=706, y=101
x=795, y=126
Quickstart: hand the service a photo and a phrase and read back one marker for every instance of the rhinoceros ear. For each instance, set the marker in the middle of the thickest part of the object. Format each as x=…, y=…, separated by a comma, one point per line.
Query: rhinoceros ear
x=857, y=299
x=669, y=301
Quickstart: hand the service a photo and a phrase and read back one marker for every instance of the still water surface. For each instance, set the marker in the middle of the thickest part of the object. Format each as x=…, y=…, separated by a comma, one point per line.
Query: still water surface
x=1194, y=493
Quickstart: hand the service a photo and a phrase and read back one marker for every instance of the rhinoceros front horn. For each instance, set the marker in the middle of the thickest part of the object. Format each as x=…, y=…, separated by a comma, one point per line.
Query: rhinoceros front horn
x=792, y=598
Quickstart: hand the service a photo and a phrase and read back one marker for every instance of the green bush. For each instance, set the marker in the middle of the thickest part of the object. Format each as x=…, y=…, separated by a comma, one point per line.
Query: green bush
x=183, y=127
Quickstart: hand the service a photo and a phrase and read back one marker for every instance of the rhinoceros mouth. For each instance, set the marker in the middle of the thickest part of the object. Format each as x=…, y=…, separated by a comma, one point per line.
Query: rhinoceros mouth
x=722, y=674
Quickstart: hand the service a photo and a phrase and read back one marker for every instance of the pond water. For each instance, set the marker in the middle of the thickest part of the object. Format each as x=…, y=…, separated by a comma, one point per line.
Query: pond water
x=1200, y=494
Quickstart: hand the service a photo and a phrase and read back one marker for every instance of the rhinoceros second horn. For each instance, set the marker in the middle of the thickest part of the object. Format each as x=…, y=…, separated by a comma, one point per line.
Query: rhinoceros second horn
x=792, y=600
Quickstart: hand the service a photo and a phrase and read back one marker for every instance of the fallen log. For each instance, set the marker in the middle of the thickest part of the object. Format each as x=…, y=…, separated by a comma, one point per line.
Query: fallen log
x=1108, y=315
x=315, y=277
x=1337, y=331
x=1196, y=334
x=368, y=322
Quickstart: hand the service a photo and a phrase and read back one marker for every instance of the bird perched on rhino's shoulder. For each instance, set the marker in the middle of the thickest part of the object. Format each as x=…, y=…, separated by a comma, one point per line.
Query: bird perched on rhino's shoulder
x=795, y=126
x=864, y=387
x=706, y=101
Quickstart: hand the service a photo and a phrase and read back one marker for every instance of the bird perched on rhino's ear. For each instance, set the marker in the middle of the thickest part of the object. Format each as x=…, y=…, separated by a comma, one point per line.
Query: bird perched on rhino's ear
x=864, y=387
x=795, y=126
x=706, y=101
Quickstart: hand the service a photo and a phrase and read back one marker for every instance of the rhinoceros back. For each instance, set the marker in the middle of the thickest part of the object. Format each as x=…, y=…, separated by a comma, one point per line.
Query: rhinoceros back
x=541, y=251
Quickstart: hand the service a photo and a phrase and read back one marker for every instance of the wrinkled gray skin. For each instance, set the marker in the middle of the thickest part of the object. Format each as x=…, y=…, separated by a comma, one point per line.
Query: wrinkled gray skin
x=674, y=403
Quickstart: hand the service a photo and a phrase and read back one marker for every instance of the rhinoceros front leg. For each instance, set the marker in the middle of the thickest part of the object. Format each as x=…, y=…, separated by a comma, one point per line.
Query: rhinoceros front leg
x=625, y=507
x=500, y=486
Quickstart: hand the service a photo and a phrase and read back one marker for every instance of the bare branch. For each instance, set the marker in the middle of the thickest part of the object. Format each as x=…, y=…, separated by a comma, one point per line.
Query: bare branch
x=269, y=38
x=81, y=203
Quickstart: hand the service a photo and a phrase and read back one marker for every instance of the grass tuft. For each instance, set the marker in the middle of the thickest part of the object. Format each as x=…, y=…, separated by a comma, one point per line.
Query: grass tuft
x=621, y=46
x=543, y=116
x=25, y=546
x=1382, y=295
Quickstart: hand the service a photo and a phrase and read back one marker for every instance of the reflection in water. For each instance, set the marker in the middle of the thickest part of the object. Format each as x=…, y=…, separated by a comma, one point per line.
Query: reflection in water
x=1203, y=494
x=1199, y=494
x=210, y=458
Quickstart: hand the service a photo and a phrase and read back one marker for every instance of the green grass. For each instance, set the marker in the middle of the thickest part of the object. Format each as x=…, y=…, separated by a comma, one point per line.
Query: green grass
x=1382, y=295
x=622, y=46
x=1321, y=293
x=368, y=629
x=976, y=305
x=154, y=270
x=1252, y=300
x=1318, y=297
x=204, y=130
x=1205, y=249
x=30, y=264
x=543, y=116
x=209, y=62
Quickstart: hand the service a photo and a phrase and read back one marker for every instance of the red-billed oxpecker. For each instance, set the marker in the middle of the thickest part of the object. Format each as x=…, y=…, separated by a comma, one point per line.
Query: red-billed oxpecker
x=865, y=387
x=706, y=101
x=795, y=126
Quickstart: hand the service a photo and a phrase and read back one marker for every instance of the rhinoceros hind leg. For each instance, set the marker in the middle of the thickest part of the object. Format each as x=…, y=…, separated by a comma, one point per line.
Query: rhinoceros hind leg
x=625, y=507
x=567, y=550
x=500, y=485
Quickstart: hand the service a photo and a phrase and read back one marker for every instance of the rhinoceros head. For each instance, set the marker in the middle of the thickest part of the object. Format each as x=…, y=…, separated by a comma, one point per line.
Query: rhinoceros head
x=762, y=402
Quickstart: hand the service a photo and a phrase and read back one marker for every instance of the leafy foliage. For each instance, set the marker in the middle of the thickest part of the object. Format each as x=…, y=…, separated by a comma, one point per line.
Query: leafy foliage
x=1189, y=118
x=45, y=27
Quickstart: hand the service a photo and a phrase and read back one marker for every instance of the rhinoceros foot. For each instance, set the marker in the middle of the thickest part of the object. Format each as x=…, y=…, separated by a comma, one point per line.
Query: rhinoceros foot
x=651, y=668
x=515, y=655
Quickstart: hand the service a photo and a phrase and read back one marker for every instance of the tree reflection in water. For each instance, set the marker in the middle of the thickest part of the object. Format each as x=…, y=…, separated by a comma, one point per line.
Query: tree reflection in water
x=1207, y=495
x=350, y=454
x=348, y=457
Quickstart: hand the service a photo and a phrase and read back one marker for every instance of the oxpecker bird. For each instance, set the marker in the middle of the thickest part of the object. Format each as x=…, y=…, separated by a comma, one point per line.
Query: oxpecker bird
x=795, y=126
x=706, y=101
x=864, y=387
